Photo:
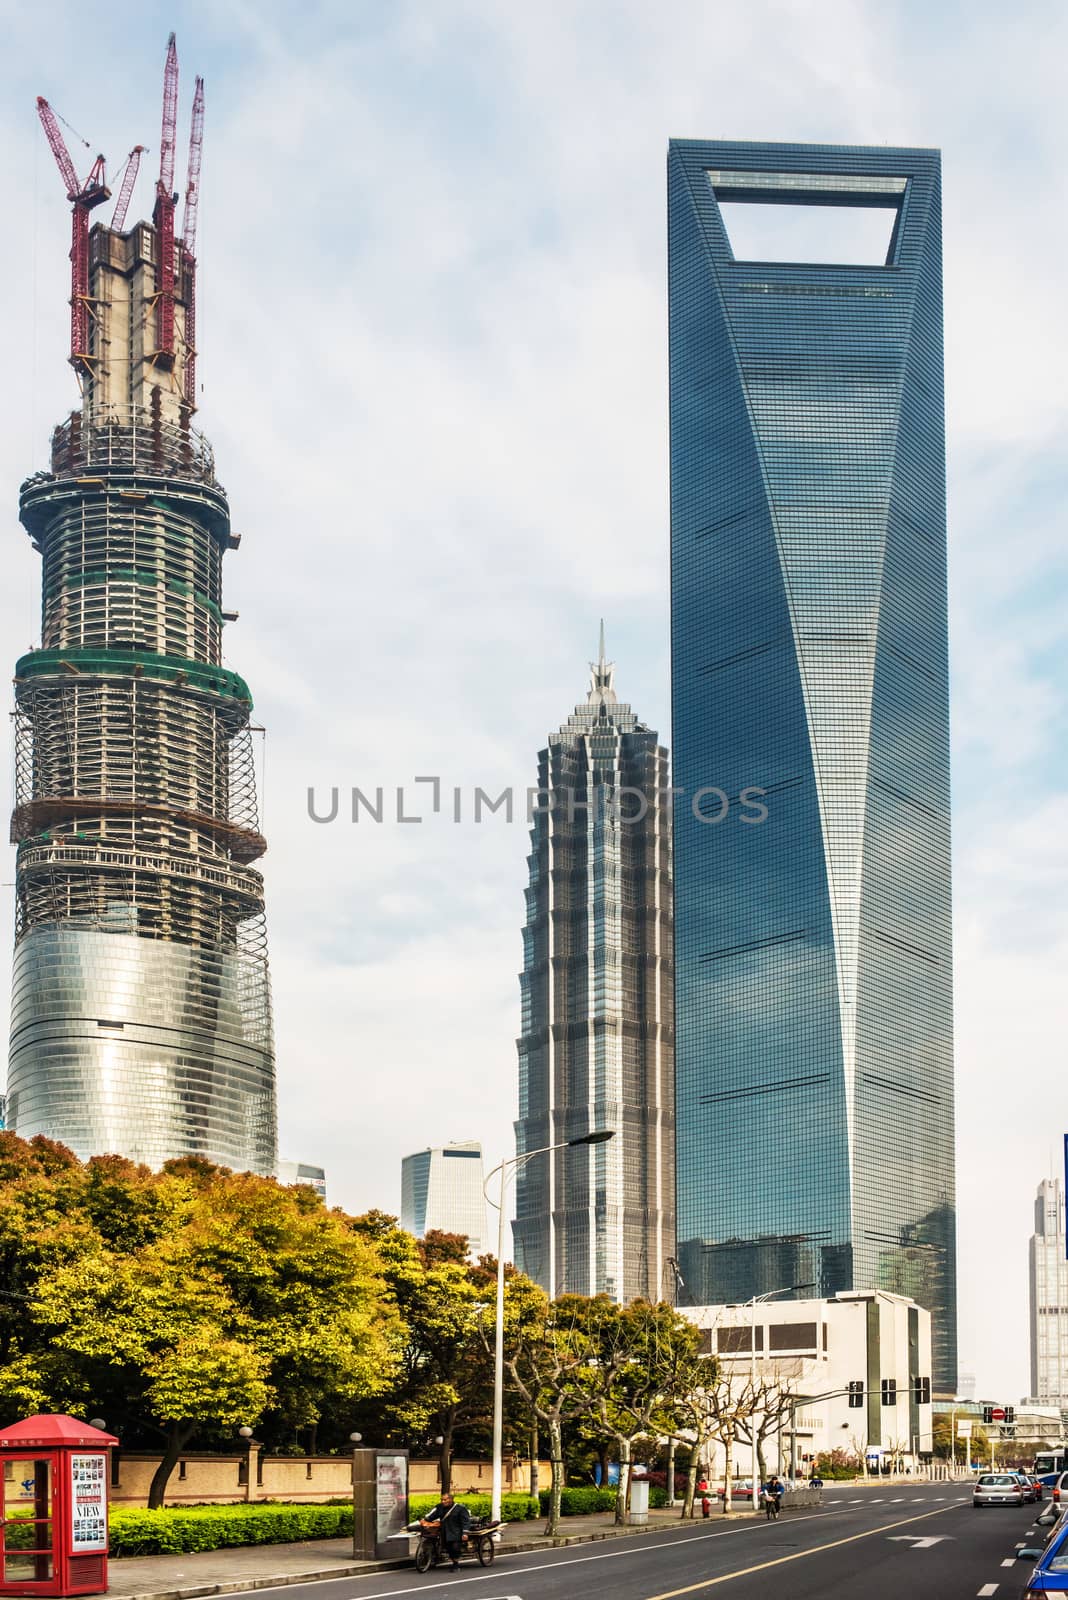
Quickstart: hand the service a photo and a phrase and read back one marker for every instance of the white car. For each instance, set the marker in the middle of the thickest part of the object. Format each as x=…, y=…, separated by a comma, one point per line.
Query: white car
x=997, y=1489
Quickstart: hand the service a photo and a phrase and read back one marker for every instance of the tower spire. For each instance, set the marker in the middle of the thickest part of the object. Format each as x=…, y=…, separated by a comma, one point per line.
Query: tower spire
x=602, y=671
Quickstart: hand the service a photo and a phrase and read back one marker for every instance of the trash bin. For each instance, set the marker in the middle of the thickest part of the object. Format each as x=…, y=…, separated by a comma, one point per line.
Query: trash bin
x=639, y=1501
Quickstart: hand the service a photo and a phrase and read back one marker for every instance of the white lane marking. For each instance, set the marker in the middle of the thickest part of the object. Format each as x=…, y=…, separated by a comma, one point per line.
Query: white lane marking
x=919, y=1543
x=1009, y=1562
x=575, y=1561
x=988, y=1589
x=859, y=1502
x=900, y=1501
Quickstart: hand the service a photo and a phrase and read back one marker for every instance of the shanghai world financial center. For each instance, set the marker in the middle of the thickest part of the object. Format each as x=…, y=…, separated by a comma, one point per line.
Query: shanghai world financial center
x=814, y=1075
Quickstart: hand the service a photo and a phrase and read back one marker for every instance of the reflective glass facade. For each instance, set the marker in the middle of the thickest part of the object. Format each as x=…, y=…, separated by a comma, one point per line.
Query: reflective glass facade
x=1048, y=1282
x=596, y=1049
x=809, y=638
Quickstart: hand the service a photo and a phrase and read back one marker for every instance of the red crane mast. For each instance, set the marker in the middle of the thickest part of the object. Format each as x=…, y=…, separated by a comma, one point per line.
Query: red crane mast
x=83, y=197
x=163, y=215
x=129, y=178
x=189, y=237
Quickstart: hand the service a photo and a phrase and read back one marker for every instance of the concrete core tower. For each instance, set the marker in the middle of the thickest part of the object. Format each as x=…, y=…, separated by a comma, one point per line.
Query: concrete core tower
x=141, y=1015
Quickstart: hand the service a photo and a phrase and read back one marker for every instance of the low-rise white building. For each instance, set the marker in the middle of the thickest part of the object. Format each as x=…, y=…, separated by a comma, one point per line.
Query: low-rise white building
x=856, y=1370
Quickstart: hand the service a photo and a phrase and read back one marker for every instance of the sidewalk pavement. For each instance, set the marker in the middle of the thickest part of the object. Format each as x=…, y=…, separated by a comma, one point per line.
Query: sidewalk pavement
x=266, y=1566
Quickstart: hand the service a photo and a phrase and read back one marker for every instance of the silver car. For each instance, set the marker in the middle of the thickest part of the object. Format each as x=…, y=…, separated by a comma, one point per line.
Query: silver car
x=997, y=1489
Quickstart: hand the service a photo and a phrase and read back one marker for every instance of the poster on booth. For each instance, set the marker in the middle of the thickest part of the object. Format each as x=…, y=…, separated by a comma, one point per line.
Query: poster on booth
x=391, y=1498
x=88, y=1505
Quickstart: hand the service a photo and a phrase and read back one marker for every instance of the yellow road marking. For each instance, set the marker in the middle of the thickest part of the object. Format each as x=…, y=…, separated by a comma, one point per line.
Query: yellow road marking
x=779, y=1561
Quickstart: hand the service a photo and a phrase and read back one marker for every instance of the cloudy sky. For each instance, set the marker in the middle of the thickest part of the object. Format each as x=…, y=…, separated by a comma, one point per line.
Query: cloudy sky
x=433, y=329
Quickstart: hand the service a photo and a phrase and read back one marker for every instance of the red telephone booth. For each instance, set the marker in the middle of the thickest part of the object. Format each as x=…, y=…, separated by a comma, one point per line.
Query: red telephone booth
x=54, y=1507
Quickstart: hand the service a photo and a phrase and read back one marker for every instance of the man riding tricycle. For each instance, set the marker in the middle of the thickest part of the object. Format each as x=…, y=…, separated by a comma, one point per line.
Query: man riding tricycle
x=450, y=1532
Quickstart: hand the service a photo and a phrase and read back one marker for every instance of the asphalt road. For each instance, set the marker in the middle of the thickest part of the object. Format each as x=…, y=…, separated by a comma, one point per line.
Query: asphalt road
x=923, y=1542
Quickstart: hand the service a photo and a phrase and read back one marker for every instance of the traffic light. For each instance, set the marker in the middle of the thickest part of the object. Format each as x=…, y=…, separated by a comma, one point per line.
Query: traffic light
x=1010, y=1413
x=921, y=1391
x=889, y=1391
x=856, y=1395
x=988, y=1413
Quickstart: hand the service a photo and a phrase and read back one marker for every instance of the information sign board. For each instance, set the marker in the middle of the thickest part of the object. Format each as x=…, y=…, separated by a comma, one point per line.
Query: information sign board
x=89, y=1504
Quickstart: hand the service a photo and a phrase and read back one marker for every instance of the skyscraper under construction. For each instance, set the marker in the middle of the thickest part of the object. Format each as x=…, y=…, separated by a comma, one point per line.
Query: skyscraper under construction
x=141, y=1016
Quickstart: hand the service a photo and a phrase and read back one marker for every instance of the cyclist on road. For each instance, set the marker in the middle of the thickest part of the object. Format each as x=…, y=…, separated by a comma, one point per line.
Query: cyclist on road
x=772, y=1494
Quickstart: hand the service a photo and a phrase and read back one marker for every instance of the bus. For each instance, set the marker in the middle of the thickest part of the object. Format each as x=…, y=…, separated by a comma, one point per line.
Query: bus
x=1049, y=1464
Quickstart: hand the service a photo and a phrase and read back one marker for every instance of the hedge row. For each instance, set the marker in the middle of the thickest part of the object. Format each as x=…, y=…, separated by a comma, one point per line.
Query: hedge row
x=514, y=1507
x=137, y=1532
x=584, y=1501
x=179, y=1530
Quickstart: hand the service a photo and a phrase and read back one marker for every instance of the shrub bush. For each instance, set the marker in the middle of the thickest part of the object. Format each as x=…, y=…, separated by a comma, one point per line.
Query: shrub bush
x=138, y=1532
x=580, y=1502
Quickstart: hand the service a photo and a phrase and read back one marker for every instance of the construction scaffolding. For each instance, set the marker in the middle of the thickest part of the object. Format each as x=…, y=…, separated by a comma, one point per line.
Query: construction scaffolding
x=141, y=1017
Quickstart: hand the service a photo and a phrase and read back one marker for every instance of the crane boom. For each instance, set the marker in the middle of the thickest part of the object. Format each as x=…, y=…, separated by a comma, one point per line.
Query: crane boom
x=59, y=147
x=129, y=178
x=170, y=118
x=192, y=188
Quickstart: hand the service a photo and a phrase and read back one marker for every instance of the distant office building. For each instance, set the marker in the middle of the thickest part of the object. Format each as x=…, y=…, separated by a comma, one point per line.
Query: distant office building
x=814, y=1072
x=869, y=1353
x=1048, y=1274
x=290, y=1172
x=966, y=1385
x=442, y=1189
x=3, y=1112
x=596, y=1049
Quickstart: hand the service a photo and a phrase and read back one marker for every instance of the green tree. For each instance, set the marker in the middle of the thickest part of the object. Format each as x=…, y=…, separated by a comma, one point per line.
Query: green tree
x=187, y=1301
x=445, y=1380
x=642, y=1357
x=551, y=1357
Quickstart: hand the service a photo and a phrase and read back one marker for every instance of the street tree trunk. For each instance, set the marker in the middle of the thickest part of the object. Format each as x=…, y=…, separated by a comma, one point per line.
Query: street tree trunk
x=691, y=1480
x=556, y=1459
x=445, y=1458
x=670, y=1474
x=534, y=1448
x=177, y=1438
x=728, y=1468
x=624, y=1482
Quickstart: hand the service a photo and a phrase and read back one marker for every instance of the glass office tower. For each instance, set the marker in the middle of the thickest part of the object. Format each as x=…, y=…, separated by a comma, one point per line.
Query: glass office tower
x=813, y=949
x=597, y=1039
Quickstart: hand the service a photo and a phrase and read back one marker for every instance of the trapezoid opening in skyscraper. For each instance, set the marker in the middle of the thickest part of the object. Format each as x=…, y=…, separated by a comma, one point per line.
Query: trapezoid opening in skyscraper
x=141, y=1010
x=814, y=1048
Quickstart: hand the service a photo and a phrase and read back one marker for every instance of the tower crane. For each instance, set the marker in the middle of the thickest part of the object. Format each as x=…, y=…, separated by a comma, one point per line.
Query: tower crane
x=129, y=178
x=163, y=214
x=83, y=197
x=189, y=237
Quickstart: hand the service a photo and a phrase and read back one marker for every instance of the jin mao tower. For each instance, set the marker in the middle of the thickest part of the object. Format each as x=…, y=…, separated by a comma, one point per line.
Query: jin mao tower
x=596, y=1050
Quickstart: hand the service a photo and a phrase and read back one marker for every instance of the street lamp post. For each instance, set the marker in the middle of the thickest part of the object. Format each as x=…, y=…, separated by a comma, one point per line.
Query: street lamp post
x=513, y=1163
x=752, y=1303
